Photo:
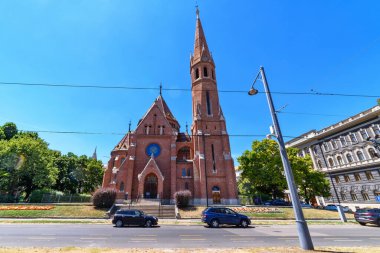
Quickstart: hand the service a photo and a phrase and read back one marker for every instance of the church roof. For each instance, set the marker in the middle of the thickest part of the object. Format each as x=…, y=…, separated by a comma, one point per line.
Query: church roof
x=201, y=51
x=165, y=108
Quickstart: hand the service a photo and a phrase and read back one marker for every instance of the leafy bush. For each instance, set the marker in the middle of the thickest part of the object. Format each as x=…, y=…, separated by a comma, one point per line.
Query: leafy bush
x=104, y=197
x=182, y=198
x=37, y=195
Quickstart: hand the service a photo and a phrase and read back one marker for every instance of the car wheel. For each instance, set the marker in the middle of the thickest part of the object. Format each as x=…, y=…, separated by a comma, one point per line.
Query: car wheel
x=214, y=223
x=362, y=223
x=148, y=223
x=244, y=223
x=119, y=223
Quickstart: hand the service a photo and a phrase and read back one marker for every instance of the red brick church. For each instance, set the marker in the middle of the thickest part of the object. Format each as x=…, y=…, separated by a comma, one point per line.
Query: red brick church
x=156, y=159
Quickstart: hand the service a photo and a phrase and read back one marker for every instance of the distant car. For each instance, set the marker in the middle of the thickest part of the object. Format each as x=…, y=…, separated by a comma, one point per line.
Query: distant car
x=215, y=216
x=129, y=217
x=305, y=205
x=277, y=202
x=333, y=207
x=368, y=215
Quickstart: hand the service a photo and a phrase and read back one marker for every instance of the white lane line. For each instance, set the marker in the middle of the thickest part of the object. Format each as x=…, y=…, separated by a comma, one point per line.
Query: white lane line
x=335, y=238
x=348, y=240
x=147, y=235
x=193, y=239
x=190, y=235
x=41, y=238
x=286, y=238
x=143, y=239
x=93, y=238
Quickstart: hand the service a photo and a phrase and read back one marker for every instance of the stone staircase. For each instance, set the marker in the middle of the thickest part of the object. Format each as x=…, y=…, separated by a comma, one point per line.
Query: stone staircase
x=151, y=207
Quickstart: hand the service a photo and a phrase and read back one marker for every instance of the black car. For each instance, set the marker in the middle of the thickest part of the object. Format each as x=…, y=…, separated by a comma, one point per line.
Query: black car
x=214, y=216
x=368, y=215
x=277, y=202
x=130, y=217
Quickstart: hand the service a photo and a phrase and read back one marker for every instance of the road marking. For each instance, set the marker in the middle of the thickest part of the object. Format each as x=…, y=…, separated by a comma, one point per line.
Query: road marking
x=286, y=238
x=239, y=241
x=374, y=238
x=143, y=239
x=239, y=235
x=348, y=240
x=189, y=235
x=335, y=238
x=93, y=238
x=41, y=238
x=146, y=235
x=193, y=239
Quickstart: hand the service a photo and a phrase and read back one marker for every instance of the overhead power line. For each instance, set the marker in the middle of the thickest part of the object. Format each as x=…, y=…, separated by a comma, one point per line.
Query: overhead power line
x=182, y=89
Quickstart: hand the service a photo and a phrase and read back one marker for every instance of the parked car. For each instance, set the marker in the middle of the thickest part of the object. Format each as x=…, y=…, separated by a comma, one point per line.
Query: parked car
x=129, y=217
x=368, y=215
x=277, y=202
x=333, y=207
x=305, y=205
x=215, y=216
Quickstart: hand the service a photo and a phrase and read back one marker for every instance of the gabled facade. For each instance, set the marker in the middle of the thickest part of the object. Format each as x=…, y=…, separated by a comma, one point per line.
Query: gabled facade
x=156, y=160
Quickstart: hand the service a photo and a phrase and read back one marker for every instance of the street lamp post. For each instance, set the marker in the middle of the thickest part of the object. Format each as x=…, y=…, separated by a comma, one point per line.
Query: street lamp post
x=303, y=231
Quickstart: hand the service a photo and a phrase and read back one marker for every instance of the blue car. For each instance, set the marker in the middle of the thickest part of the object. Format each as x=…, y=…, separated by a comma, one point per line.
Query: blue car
x=215, y=216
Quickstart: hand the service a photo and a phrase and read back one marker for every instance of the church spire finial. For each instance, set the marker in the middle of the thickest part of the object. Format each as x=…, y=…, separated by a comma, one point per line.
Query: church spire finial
x=129, y=128
x=197, y=9
x=160, y=88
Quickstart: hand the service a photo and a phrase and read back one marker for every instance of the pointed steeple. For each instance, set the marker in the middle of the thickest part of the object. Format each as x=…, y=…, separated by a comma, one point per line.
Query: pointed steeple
x=94, y=155
x=201, y=51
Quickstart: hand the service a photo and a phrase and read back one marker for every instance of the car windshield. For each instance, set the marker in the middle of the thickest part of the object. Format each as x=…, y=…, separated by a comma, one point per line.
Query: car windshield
x=365, y=210
x=141, y=212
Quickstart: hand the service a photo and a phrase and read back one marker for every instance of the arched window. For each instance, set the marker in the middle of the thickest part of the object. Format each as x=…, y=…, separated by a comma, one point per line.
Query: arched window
x=340, y=161
x=122, y=187
x=349, y=158
x=183, y=172
x=208, y=104
x=360, y=156
x=319, y=164
x=331, y=162
x=183, y=154
x=196, y=73
x=186, y=185
x=205, y=74
x=315, y=150
x=215, y=189
x=372, y=153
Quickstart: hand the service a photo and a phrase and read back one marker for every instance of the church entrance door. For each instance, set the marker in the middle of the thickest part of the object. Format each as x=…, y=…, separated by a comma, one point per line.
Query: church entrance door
x=150, y=186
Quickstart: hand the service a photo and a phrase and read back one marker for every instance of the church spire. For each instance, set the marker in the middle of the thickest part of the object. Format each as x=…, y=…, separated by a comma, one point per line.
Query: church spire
x=201, y=51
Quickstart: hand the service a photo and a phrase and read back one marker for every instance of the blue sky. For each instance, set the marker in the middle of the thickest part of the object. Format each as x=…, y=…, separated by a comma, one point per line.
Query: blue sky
x=328, y=46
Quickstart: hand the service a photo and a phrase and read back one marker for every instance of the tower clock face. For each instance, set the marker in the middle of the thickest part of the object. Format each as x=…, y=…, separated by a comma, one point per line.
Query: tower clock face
x=154, y=149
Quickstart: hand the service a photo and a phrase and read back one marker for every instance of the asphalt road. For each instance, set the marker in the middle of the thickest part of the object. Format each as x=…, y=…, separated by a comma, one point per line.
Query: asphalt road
x=181, y=236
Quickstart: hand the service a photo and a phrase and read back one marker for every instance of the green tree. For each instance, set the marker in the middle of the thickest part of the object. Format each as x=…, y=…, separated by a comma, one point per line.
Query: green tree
x=27, y=163
x=94, y=175
x=262, y=167
x=10, y=130
x=262, y=170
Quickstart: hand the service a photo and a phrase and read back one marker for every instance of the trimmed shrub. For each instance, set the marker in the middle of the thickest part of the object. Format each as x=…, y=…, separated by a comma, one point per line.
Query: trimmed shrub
x=104, y=197
x=182, y=198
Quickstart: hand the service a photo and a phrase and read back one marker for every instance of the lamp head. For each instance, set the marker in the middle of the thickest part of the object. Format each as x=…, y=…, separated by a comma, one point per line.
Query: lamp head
x=252, y=91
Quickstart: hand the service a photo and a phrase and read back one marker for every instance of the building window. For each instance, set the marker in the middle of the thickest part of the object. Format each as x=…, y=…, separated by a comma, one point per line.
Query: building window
x=343, y=141
x=340, y=161
x=354, y=197
x=213, y=159
x=333, y=143
x=349, y=158
x=325, y=146
x=208, y=104
x=186, y=185
x=343, y=196
x=315, y=150
x=369, y=175
x=196, y=73
x=337, y=179
x=376, y=130
x=183, y=154
x=364, y=134
x=357, y=177
x=360, y=156
x=188, y=172
x=331, y=162
x=183, y=172
x=122, y=187
x=353, y=138
x=372, y=153
x=365, y=196
x=205, y=74
x=319, y=164
x=347, y=178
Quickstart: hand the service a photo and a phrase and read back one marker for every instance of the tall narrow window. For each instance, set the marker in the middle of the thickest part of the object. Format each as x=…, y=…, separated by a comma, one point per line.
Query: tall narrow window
x=208, y=103
x=347, y=178
x=325, y=146
x=196, y=73
x=337, y=179
x=333, y=142
x=364, y=134
x=340, y=161
x=349, y=158
x=183, y=172
x=357, y=177
x=360, y=155
x=205, y=74
x=376, y=130
x=365, y=196
x=343, y=141
x=319, y=164
x=354, y=197
x=343, y=196
x=331, y=162
x=353, y=137
x=372, y=153
x=188, y=172
x=213, y=159
x=122, y=187
x=369, y=175
x=186, y=185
